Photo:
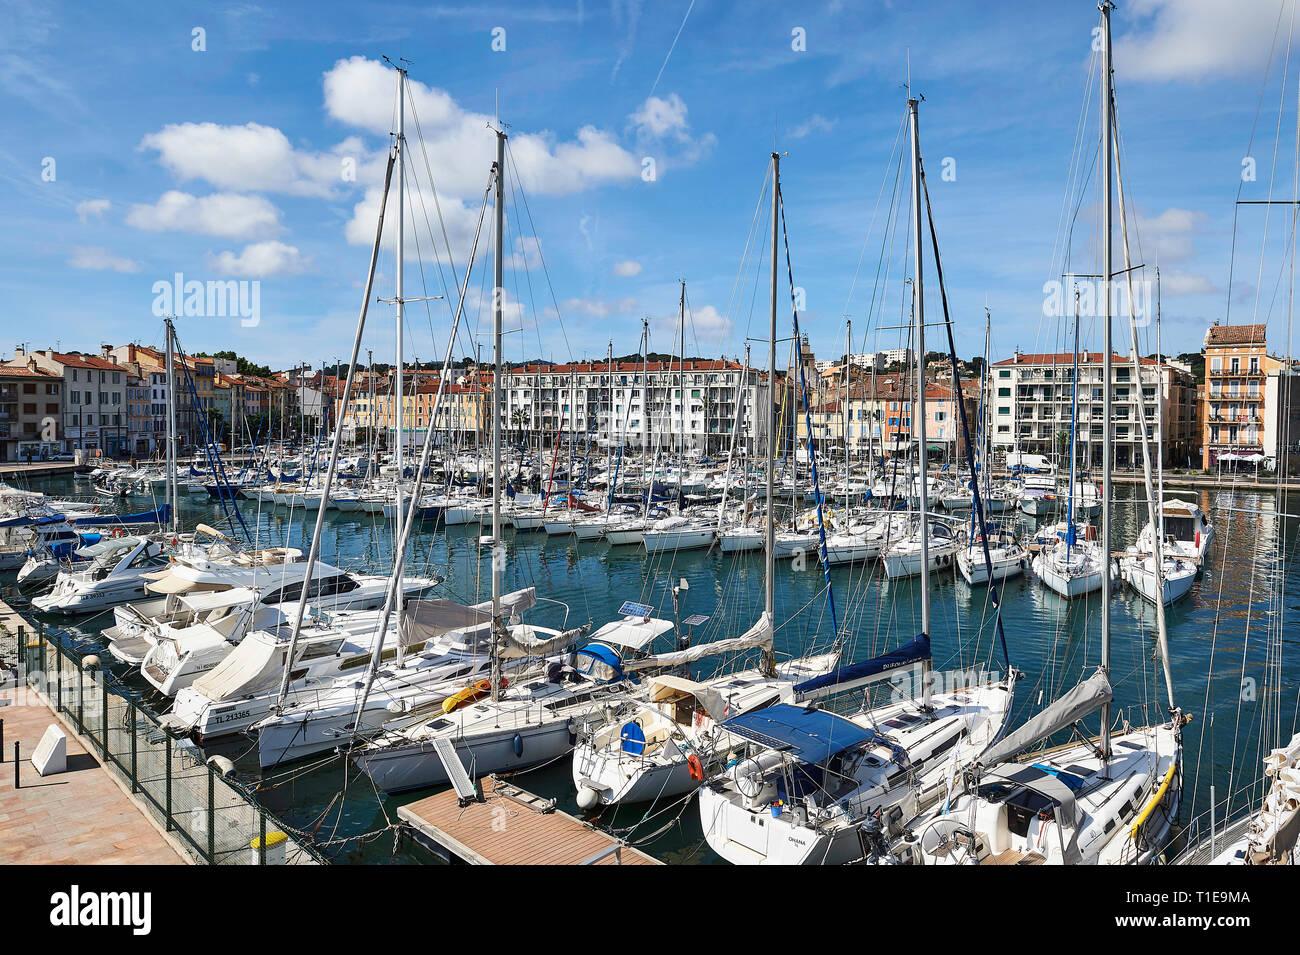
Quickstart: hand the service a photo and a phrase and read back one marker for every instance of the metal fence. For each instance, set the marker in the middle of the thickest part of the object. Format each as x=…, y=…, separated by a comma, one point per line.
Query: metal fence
x=219, y=822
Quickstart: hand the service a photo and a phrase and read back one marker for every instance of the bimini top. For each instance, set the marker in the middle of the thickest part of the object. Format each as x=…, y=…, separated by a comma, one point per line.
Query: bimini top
x=632, y=633
x=812, y=736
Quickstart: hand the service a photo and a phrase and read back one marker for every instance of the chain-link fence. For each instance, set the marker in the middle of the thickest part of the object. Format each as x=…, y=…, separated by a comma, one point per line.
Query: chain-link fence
x=218, y=822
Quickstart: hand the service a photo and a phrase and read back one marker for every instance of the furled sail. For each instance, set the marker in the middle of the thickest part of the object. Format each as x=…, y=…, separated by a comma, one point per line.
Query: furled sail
x=1086, y=698
x=759, y=635
x=522, y=641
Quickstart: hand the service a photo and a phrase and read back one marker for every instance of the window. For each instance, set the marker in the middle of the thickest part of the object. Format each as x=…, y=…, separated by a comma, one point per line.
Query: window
x=1004, y=392
x=1004, y=373
x=1004, y=409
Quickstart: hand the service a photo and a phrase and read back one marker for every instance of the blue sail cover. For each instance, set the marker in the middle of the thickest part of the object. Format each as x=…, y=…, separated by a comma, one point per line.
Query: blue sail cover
x=909, y=654
x=812, y=736
x=160, y=516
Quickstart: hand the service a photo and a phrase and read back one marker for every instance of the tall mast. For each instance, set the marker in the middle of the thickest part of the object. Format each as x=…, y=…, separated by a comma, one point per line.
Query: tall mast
x=609, y=425
x=647, y=431
x=401, y=280
x=681, y=397
x=1074, y=434
x=769, y=521
x=1159, y=528
x=498, y=294
x=848, y=381
x=171, y=423
x=1106, y=272
x=918, y=298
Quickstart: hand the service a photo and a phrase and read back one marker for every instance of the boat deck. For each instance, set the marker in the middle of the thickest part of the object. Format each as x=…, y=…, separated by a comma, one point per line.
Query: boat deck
x=512, y=827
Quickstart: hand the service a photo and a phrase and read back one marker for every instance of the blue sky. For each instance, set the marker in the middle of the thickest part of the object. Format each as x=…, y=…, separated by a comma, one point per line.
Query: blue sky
x=227, y=162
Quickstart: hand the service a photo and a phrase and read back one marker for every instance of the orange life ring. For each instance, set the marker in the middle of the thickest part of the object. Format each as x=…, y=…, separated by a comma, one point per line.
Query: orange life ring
x=119, y=531
x=695, y=767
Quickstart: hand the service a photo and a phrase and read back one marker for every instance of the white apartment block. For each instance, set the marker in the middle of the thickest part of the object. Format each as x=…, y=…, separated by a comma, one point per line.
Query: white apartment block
x=638, y=405
x=1031, y=399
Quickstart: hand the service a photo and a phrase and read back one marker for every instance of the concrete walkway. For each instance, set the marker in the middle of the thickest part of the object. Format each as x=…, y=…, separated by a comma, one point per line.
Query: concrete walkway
x=80, y=817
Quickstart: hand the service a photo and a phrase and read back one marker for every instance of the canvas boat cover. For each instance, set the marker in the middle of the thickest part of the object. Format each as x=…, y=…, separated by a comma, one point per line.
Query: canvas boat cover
x=425, y=620
x=666, y=687
x=759, y=635
x=809, y=735
x=1084, y=699
x=857, y=674
x=632, y=633
x=256, y=660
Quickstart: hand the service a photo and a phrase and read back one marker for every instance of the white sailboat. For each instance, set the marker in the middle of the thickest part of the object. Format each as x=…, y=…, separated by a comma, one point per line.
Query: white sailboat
x=1109, y=799
x=811, y=779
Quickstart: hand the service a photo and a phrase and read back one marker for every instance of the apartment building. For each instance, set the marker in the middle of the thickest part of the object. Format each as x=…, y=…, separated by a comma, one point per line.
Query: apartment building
x=1237, y=365
x=31, y=412
x=1031, y=398
x=95, y=391
x=640, y=405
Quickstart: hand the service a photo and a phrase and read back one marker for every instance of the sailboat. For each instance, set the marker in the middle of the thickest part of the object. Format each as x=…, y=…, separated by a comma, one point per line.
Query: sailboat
x=669, y=740
x=1070, y=565
x=527, y=720
x=1105, y=799
x=680, y=531
x=811, y=779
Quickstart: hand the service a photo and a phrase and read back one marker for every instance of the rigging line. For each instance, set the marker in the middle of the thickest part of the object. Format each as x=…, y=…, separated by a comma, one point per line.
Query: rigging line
x=886, y=247
x=1272, y=173
x=733, y=299
x=451, y=260
x=898, y=135
x=1250, y=142
x=1075, y=177
x=812, y=455
x=510, y=160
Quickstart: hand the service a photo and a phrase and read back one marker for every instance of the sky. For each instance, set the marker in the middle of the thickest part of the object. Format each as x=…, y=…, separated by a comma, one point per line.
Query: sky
x=247, y=142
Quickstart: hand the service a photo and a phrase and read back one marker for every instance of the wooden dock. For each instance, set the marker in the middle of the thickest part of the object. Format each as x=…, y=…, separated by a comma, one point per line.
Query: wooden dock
x=512, y=827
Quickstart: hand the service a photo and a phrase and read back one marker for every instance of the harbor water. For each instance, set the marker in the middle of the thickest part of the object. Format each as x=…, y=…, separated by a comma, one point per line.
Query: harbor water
x=1225, y=674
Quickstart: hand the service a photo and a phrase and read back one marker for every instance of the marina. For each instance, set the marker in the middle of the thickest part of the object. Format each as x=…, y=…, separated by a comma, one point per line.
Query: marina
x=605, y=482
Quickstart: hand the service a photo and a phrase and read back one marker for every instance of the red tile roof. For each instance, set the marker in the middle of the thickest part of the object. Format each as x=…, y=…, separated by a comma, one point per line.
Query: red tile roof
x=1067, y=358
x=1220, y=335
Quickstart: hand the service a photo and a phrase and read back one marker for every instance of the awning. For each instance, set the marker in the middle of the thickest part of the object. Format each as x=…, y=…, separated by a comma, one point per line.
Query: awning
x=633, y=633
x=665, y=687
x=810, y=735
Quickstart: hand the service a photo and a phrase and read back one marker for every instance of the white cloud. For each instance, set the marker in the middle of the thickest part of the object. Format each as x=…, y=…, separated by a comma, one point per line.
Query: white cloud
x=99, y=259
x=92, y=207
x=224, y=215
x=1173, y=233
x=658, y=117
x=708, y=324
x=596, y=308
x=1176, y=282
x=1193, y=39
x=706, y=328
x=253, y=157
x=660, y=122
x=261, y=260
x=459, y=146
x=627, y=269
x=816, y=123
